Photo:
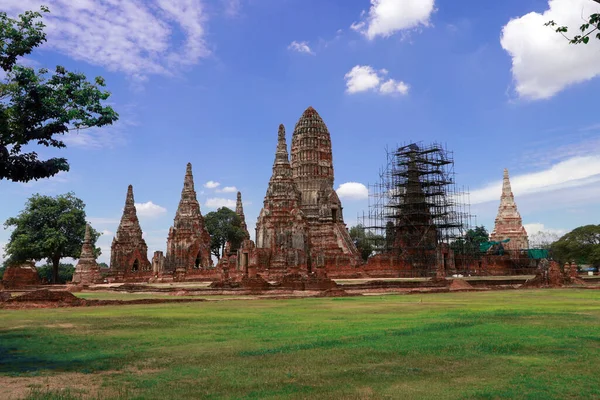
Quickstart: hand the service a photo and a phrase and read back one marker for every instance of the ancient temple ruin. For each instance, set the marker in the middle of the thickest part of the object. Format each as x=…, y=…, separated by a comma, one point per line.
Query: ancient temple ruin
x=417, y=215
x=508, y=224
x=129, y=252
x=312, y=172
x=188, y=243
x=281, y=228
x=87, y=270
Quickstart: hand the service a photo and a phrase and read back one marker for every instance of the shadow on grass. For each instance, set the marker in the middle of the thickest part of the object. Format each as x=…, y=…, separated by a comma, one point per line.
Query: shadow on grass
x=25, y=352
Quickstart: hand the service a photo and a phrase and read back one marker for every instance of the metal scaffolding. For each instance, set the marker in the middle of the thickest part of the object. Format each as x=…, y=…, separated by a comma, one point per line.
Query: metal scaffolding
x=418, y=210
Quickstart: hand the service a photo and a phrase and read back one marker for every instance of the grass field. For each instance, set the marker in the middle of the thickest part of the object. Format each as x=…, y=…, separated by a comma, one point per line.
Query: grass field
x=542, y=344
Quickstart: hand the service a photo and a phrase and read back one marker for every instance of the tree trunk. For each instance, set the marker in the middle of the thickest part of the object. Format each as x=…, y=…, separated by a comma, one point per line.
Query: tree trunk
x=55, y=263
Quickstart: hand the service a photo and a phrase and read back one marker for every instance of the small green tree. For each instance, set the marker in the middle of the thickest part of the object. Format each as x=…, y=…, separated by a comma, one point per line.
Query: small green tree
x=581, y=245
x=36, y=107
x=48, y=228
x=366, y=241
x=224, y=225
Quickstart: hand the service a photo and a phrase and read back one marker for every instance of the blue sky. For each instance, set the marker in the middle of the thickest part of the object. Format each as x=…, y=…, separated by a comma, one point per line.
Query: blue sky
x=208, y=82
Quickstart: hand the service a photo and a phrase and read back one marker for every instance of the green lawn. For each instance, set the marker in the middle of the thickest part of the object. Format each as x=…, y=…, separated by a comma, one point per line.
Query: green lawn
x=542, y=344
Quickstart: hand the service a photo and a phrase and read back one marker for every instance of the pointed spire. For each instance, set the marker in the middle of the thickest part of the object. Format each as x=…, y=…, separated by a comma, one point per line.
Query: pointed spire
x=88, y=234
x=508, y=222
x=281, y=156
x=188, y=209
x=188, y=181
x=506, y=189
x=239, y=210
x=129, y=224
x=129, y=200
x=87, y=249
x=239, y=207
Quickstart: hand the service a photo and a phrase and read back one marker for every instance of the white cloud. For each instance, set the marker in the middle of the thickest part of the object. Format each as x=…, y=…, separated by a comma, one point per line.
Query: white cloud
x=217, y=202
x=212, y=185
x=363, y=78
x=573, y=172
x=535, y=227
x=386, y=17
x=106, y=232
x=131, y=36
x=228, y=189
x=391, y=87
x=353, y=191
x=300, y=47
x=149, y=209
x=543, y=61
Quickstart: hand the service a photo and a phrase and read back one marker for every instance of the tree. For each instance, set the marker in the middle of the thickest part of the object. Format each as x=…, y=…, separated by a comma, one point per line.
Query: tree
x=365, y=241
x=224, y=225
x=581, y=245
x=591, y=25
x=36, y=107
x=48, y=228
x=477, y=235
x=65, y=272
x=469, y=244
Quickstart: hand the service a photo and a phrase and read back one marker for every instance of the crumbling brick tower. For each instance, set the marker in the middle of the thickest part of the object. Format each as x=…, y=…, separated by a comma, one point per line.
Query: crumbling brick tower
x=508, y=224
x=281, y=227
x=312, y=170
x=129, y=252
x=188, y=243
x=87, y=271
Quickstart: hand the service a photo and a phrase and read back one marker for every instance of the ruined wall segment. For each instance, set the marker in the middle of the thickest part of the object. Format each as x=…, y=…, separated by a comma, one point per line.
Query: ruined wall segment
x=129, y=252
x=188, y=243
x=508, y=222
x=312, y=171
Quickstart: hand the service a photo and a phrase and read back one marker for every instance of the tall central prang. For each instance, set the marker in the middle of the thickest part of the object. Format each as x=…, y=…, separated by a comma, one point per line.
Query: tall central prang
x=312, y=161
x=312, y=171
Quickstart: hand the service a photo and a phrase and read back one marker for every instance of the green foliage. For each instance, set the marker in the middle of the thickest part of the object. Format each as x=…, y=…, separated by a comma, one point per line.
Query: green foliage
x=477, y=235
x=366, y=241
x=2, y=269
x=36, y=107
x=581, y=245
x=48, y=228
x=587, y=29
x=224, y=225
x=469, y=244
x=65, y=272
